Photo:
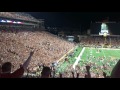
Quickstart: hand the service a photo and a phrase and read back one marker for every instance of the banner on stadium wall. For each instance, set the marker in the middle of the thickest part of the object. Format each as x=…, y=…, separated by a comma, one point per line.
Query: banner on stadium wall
x=14, y=22
x=10, y=21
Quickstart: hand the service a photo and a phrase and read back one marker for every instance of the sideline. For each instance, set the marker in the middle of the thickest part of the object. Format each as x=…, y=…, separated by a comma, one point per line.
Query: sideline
x=66, y=54
x=79, y=58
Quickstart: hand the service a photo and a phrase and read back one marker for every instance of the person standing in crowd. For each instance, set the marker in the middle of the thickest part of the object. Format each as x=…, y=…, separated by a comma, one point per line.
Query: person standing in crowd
x=46, y=72
x=116, y=71
x=7, y=66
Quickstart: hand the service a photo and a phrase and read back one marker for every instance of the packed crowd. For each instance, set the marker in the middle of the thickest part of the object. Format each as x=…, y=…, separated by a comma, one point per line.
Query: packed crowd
x=18, y=15
x=47, y=49
x=15, y=46
x=114, y=42
x=98, y=66
x=50, y=72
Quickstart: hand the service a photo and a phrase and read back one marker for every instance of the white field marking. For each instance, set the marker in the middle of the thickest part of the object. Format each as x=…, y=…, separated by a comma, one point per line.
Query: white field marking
x=108, y=48
x=90, y=51
x=78, y=58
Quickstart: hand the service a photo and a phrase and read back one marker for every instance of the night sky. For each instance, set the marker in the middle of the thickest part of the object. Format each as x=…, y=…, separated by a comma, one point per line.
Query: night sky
x=74, y=19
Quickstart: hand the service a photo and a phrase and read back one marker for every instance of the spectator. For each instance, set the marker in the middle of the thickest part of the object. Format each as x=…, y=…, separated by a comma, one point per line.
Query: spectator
x=105, y=76
x=6, y=69
x=46, y=72
x=73, y=74
x=0, y=69
x=60, y=75
x=45, y=44
x=78, y=75
x=116, y=71
x=88, y=75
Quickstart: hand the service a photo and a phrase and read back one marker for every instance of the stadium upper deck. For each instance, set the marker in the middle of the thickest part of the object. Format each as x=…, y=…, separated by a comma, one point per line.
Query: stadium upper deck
x=18, y=16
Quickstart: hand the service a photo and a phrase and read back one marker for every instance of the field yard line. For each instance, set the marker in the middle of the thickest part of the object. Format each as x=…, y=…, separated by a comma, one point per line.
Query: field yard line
x=78, y=58
x=110, y=48
x=90, y=51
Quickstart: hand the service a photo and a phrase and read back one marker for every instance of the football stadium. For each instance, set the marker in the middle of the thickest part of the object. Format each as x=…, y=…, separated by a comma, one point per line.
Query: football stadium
x=29, y=49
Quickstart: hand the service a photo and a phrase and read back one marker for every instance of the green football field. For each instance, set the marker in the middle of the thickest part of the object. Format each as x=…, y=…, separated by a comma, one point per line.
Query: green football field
x=91, y=56
x=99, y=57
x=63, y=66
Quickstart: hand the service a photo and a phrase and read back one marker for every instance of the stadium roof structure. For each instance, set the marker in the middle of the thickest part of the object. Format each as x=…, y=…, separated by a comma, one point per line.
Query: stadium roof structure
x=21, y=17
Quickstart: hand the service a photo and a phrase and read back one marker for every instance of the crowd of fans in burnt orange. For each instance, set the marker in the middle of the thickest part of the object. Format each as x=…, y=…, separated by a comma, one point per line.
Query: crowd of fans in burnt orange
x=99, y=41
x=16, y=45
x=44, y=48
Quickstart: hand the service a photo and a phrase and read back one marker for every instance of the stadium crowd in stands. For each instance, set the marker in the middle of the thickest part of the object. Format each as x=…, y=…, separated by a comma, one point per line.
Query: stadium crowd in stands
x=15, y=46
x=45, y=50
x=99, y=41
x=48, y=48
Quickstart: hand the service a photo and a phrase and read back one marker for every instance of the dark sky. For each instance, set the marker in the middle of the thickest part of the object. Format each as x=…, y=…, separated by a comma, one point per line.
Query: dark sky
x=74, y=19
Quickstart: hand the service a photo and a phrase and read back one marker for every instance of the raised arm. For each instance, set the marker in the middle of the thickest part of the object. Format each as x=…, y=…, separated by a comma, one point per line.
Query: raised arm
x=104, y=74
x=60, y=75
x=73, y=74
x=78, y=75
x=116, y=71
x=88, y=71
x=26, y=63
